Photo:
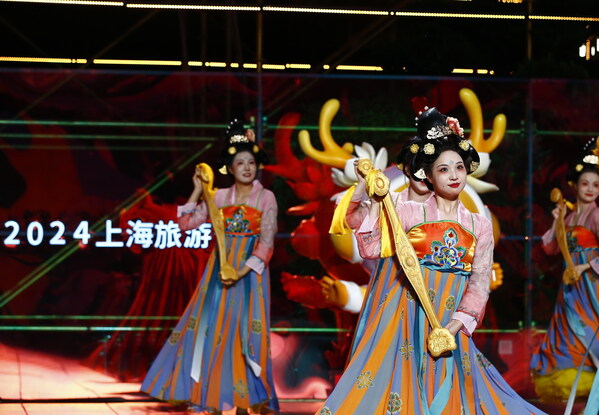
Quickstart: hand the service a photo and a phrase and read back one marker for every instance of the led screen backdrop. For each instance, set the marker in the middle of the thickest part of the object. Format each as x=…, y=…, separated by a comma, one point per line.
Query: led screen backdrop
x=93, y=165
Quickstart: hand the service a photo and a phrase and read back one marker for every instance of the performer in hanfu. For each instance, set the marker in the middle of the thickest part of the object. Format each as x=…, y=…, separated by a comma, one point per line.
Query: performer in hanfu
x=571, y=342
x=348, y=295
x=217, y=358
x=413, y=352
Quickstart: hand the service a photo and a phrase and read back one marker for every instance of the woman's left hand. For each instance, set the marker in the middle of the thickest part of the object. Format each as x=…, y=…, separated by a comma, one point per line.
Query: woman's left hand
x=243, y=271
x=582, y=268
x=454, y=326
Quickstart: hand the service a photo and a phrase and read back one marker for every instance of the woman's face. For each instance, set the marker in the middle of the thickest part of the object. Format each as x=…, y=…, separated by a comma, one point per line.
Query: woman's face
x=448, y=175
x=587, y=187
x=243, y=167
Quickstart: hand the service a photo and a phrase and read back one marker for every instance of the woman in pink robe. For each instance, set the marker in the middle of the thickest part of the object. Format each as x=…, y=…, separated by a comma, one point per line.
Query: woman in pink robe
x=217, y=358
x=390, y=370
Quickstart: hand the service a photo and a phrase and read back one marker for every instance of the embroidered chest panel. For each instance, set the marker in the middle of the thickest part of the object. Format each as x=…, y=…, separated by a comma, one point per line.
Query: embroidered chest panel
x=444, y=244
x=241, y=220
x=580, y=237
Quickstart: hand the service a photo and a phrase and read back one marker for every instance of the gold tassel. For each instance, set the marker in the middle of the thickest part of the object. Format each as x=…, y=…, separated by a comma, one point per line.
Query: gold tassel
x=370, y=178
x=339, y=224
x=386, y=245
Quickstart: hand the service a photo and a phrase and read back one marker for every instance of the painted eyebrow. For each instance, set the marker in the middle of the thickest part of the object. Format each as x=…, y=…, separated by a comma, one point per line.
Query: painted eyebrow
x=446, y=165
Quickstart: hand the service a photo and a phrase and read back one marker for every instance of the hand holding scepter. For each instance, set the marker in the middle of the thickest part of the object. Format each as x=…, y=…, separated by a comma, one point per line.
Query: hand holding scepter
x=570, y=275
x=440, y=339
x=227, y=273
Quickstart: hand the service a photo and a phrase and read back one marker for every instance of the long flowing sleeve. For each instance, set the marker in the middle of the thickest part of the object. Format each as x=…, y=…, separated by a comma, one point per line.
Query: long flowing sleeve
x=550, y=245
x=593, y=222
x=192, y=215
x=367, y=229
x=471, y=309
x=268, y=228
x=357, y=210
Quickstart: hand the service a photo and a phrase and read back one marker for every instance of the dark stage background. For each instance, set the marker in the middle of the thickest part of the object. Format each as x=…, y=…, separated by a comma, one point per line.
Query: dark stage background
x=104, y=145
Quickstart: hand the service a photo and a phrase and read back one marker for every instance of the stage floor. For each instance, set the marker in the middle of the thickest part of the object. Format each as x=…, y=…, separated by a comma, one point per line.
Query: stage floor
x=37, y=383
x=34, y=383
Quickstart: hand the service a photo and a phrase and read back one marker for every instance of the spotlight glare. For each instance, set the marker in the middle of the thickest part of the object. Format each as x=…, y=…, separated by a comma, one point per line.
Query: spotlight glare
x=358, y=68
x=136, y=62
x=326, y=11
x=192, y=7
x=272, y=66
x=462, y=15
x=40, y=60
x=569, y=18
x=462, y=70
x=298, y=65
x=216, y=64
x=72, y=2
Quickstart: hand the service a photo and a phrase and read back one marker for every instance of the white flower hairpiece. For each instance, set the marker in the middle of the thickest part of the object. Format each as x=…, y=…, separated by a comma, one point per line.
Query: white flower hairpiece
x=591, y=159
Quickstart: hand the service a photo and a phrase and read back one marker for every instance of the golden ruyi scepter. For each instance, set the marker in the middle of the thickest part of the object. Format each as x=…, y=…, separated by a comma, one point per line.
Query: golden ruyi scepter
x=570, y=275
x=228, y=274
x=440, y=340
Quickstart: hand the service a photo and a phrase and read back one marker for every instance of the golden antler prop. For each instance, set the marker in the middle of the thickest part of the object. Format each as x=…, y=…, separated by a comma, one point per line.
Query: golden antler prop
x=570, y=275
x=333, y=155
x=440, y=339
x=472, y=105
x=228, y=274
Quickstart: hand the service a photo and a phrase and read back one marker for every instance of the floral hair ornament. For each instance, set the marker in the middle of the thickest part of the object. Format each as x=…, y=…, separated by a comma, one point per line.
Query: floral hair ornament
x=433, y=125
x=414, y=148
x=238, y=134
x=438, y=131
x=591, y=159
x=429, y=148
x=454, y=126
x=464, y=145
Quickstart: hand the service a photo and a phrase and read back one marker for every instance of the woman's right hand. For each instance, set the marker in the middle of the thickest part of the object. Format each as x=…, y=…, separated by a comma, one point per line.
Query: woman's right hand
x=361, y=180
x=197, y=186
x=361, y=185
x=197, y=180
x=555, y=212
